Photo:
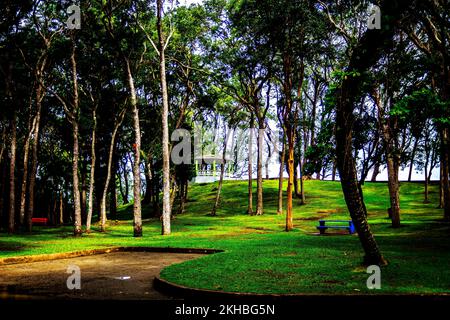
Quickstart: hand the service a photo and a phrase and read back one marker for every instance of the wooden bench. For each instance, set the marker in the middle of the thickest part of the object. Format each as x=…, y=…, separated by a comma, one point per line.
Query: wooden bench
x=42, y=221
x=336, y=224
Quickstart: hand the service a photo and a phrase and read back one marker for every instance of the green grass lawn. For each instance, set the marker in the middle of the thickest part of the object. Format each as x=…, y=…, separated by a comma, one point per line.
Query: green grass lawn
x=261, y=257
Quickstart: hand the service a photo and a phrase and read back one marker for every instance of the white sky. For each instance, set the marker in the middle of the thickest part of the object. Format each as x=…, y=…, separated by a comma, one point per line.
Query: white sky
x=188, y=2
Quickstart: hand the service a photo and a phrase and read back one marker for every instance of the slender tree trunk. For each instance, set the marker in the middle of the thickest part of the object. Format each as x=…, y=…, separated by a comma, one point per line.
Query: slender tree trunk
x=75, y=170
x=3, y=175
x=23, y=190
x=296, y=188
x=3, y=147
x=173, y=191
x=137, y=215
x=113, y=190
x=148, y=179
x=389, y=136
x=280, y=178
x=121, y=187
x=125, y=180
x=92, y=172
x=445, y=173
x=166, y=229
x=61, y=208
x=301, y=162
x=250, y=169
x=441, y=185
x=393, y=186
x=289, y=215
x=222, y=172
x=333, y=173
x=76, y=187
x=40, y=92
x=289, y=127
x=259, y=186
x=83, y=194
x=156, y=189
x=376, y=171
x=302, y=184
x=413, y=155
x=108, y=172
x=183, y=198
x=350, y=187
x=426, y=183
x=266, y=164
x=12, y=175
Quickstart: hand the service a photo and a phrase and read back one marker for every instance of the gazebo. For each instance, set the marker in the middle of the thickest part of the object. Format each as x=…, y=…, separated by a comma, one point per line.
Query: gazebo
x=207, y=168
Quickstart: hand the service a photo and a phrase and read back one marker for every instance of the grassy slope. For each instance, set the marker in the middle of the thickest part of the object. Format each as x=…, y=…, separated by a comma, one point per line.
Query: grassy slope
x=261, y=257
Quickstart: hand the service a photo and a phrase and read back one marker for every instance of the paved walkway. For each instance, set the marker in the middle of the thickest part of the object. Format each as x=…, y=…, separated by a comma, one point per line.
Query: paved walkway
x=118, y=275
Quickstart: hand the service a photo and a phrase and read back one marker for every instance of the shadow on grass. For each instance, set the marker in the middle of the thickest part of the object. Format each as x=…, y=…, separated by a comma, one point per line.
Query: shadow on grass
x=13, y=246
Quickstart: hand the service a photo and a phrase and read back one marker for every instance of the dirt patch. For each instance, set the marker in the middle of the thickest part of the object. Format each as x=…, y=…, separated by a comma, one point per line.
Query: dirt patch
x=290, y=254
x=329, y=211
x=312, y=218
x=118, y=275
x=258, y=228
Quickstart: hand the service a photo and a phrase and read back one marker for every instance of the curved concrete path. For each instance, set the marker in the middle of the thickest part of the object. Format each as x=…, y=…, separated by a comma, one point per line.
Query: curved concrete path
x=117, y=275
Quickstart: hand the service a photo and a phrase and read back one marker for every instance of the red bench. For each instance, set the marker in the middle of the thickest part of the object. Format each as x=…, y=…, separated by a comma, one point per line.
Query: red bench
x=43, y=221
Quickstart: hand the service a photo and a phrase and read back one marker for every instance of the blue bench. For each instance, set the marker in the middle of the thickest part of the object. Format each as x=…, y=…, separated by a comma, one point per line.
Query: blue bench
x=336, y=224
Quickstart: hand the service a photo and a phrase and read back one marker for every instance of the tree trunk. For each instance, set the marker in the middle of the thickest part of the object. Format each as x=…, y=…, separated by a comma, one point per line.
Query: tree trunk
x=259, y=185
x=23, y=190
x=3, y=147
x=113, y=191
x=148, y=182
x=289, y=215
x=393, y=186
x=166, y=229
x=333, y=173
x=302, y=185
x=388, y=127
x=376, y=171
x=3, y=175
x=83, y=194
x=363, y=57
x=173, y=191
x=441, y=184
x=61, y=208
x=40, y=92
x=222, y=172
x=92, y=173
x=426, y=184
x=137, y=215
x=280, y=178
x=76, y=187
x=445, y=173
x=108, y=172
x=156, y=189
x=250, y=168
x=413, y=155
x=12, y=175
x=125, y=180
x=296, y=189
x=183, y=197
x=301, y=162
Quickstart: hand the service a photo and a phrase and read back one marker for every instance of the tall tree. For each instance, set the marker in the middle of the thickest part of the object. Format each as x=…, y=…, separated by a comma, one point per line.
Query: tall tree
x=363, y=56
x=166, y=215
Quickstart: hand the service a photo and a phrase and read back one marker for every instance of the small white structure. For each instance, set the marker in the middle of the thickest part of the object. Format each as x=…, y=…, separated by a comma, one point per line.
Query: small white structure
x=207, y=168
